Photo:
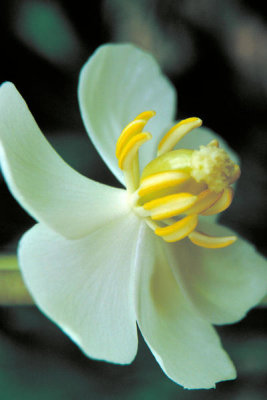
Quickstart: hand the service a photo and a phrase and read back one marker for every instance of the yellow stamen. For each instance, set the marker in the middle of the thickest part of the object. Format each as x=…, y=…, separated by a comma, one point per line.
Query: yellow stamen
x=170, y=206
x=214, y=143
x=131, y=149
x=178, y=230
x=236, y=174
x=221, y=204
x=127, y=148
x=211, y=242
x=146, y=115
x=176, y=182
x=176, y=133
x=204, y=201
x=132, y=129
x=161, y=181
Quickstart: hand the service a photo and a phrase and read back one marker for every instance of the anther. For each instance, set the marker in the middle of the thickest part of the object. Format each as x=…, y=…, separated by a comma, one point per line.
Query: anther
x=179, y=230
x=221, y=204
x=130, y=150
x=204, y=201
x=236, y=174
x=210, y=242
x=161, y=180
x=132, y=129
x=170, y=206
x=214, y=143
x=146, y=115
x=127, y=148
x=176, y=133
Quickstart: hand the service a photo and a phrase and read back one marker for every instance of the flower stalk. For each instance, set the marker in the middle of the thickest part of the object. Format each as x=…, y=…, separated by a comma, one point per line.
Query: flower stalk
x=12, y=288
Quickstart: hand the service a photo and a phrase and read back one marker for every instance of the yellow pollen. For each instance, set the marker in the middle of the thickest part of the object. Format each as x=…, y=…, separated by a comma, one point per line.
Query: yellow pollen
x=213, y=166
x=178, y=185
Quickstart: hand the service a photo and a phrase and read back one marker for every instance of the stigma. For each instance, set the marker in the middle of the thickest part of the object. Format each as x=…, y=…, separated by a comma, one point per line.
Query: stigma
x=177, y=186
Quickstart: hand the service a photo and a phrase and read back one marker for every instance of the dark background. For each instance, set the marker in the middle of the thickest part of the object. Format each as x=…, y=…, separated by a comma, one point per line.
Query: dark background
x=215, y=53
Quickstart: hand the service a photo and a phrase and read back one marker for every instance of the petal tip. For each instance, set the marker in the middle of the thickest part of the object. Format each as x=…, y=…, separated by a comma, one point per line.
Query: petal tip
x=7, y=86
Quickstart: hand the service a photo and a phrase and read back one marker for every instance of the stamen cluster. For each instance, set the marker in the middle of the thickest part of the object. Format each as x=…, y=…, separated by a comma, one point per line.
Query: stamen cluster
x=178, y=185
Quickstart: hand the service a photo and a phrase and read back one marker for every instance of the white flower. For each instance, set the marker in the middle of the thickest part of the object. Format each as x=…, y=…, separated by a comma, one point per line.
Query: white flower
x=99, y=258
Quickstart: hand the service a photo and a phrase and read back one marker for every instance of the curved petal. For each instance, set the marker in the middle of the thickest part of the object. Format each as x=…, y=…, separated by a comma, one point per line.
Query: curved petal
x=223, y=284
x=50, y=190
x=185, y=345
x=116, y=84
x=86, y=285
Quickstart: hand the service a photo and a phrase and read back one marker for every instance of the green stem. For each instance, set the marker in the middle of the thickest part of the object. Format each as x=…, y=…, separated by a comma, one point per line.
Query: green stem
x=12, y=288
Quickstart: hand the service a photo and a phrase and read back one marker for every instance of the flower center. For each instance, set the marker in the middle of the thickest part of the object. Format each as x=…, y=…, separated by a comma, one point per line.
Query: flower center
x=177, y=186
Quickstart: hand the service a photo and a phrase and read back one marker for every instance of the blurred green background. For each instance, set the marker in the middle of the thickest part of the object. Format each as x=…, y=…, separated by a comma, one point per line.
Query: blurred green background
x=215, y=52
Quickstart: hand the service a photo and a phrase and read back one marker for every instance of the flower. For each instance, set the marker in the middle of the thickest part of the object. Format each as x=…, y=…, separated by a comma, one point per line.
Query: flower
x=99, y=258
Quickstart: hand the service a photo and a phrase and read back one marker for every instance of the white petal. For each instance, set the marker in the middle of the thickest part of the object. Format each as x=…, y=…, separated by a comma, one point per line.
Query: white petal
x=116, y=84
x=185, y=345
x=50, y=190
x=223, y=284
x=86, y=285
x=203, y=136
